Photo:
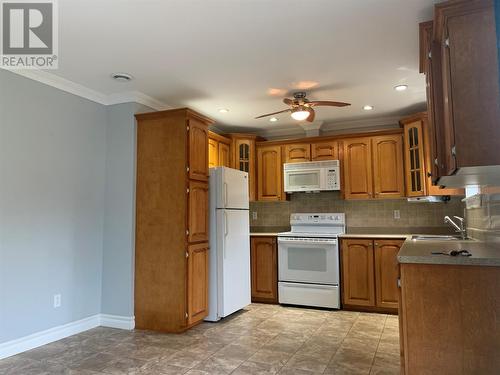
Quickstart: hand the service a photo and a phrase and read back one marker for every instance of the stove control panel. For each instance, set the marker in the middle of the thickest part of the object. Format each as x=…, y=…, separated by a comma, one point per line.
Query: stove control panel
x=317, y=219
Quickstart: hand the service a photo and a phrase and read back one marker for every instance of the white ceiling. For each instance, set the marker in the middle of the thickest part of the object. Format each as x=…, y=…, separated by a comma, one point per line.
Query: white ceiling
x=211, y=54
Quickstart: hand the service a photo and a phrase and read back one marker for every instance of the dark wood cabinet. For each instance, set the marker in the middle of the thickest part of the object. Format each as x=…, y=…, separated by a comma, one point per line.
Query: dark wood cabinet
x=370, y=274
x=264, y=269
x=462, y=89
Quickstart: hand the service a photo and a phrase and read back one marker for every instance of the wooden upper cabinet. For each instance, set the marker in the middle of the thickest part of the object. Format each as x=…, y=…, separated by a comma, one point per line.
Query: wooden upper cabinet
x=470, y=81
x=388, y=166
x=296, y=153
x=213, y=153
x=264, y=269
x=418, y=158
x=198, y=211
x=269, y=173
x=358, y=182
x=414, y=158
x=224, y=155
x=243, y=159
x=197, y=283
x=358, y=282
x=387, y=272
x=324, y=151
x=198, y=150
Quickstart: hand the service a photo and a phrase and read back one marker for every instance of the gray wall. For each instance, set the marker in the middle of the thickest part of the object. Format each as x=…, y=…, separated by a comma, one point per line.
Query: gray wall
x=52, y=184
x=119, y=218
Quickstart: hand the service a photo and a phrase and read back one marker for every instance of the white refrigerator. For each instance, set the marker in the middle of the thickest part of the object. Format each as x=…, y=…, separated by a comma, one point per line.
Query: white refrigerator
x=229, y=275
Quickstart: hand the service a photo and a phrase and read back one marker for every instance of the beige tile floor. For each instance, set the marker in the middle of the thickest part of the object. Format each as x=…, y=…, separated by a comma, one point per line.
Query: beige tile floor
x=262, y=339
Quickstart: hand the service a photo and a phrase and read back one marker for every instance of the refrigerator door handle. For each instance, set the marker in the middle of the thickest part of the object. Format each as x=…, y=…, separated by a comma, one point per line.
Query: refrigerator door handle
x=226, y=231
x=225, y=194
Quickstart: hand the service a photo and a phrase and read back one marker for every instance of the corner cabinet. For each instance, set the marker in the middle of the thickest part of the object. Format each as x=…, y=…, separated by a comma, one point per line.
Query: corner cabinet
x=171, y=266
x=264, y=269
x=373, y=167
x=269, y=173
x=418, y=158
x=370, y=274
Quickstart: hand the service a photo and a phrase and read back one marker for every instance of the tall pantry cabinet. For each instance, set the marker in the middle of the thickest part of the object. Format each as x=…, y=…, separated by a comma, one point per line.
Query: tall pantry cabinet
x=171, y=246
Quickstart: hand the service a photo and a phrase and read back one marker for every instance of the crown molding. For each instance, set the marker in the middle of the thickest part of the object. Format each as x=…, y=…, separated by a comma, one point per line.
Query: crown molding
x=71, y=87
x=331, y=128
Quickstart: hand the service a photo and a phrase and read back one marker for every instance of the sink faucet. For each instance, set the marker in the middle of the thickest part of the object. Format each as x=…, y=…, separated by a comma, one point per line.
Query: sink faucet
x=460, y=228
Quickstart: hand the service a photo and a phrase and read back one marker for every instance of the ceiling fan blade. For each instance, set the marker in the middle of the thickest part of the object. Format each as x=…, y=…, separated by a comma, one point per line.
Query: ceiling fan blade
x=288, y=101
x=274, y=113
x=328, y=103
x=312, y=114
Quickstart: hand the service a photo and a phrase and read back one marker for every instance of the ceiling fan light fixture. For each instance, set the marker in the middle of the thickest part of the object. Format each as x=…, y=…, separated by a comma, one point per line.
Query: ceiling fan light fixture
x=400, y=87
x=300, y=114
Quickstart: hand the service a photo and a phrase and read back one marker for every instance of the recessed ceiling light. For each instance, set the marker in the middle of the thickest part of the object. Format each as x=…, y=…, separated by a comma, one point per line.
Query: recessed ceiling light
x=368, y=107
x=122, y=77
x=400, y=87
x=273, y=119
x=223, y=110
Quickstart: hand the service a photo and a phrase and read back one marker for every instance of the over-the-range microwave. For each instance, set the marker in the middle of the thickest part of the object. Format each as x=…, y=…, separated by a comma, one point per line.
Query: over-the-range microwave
x=312, y=176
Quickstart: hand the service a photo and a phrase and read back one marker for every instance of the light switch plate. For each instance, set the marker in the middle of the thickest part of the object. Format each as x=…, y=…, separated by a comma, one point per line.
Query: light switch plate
x=397, y=215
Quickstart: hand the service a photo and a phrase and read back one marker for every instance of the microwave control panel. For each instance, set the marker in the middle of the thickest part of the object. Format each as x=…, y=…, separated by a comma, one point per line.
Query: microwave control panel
x=332, y=180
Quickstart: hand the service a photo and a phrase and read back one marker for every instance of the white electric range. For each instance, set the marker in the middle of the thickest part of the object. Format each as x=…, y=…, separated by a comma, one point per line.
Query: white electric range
x=308, y=260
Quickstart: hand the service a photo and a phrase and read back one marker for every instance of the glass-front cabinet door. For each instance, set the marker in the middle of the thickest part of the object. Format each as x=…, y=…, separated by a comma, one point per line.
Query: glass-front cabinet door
x=414, y=159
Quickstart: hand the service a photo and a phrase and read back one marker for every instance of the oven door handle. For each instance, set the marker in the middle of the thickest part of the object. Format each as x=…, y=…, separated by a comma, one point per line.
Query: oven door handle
x=307, y=242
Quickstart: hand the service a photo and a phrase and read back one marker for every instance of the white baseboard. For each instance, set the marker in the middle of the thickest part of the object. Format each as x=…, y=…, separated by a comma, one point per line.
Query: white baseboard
x=35, y=340
x=117, y=321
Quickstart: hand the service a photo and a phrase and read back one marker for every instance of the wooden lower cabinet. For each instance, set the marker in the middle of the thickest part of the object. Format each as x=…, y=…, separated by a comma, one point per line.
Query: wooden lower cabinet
x=370, y=274
x=449, y=319
x=197, y=282
x=387, y=272
x=357, y=265
x=264, y=269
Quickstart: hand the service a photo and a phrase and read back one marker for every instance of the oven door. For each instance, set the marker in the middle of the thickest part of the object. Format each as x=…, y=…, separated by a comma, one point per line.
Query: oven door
x=308, y=260
x=303, y=180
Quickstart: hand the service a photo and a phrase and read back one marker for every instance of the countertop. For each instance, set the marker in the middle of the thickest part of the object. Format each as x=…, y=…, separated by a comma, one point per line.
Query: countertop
x=420, y=252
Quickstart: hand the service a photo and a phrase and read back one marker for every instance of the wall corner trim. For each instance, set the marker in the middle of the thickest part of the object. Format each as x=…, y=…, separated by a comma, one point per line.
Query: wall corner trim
x=41, y=338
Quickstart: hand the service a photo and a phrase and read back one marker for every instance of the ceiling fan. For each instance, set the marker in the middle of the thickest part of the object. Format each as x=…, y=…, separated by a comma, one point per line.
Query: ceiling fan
x=302, y=108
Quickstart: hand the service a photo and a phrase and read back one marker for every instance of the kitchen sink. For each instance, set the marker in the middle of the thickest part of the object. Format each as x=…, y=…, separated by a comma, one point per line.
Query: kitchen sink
x=436, y=238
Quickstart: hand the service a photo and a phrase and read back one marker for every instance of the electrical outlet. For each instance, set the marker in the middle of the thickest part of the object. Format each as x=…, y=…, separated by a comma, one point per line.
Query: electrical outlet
x=57, y=301
x=254, y=215
x=397, y=215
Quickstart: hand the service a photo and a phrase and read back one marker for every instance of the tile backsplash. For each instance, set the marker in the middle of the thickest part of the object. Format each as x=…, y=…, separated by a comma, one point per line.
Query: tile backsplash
x=359, y=214
x=483, y=223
